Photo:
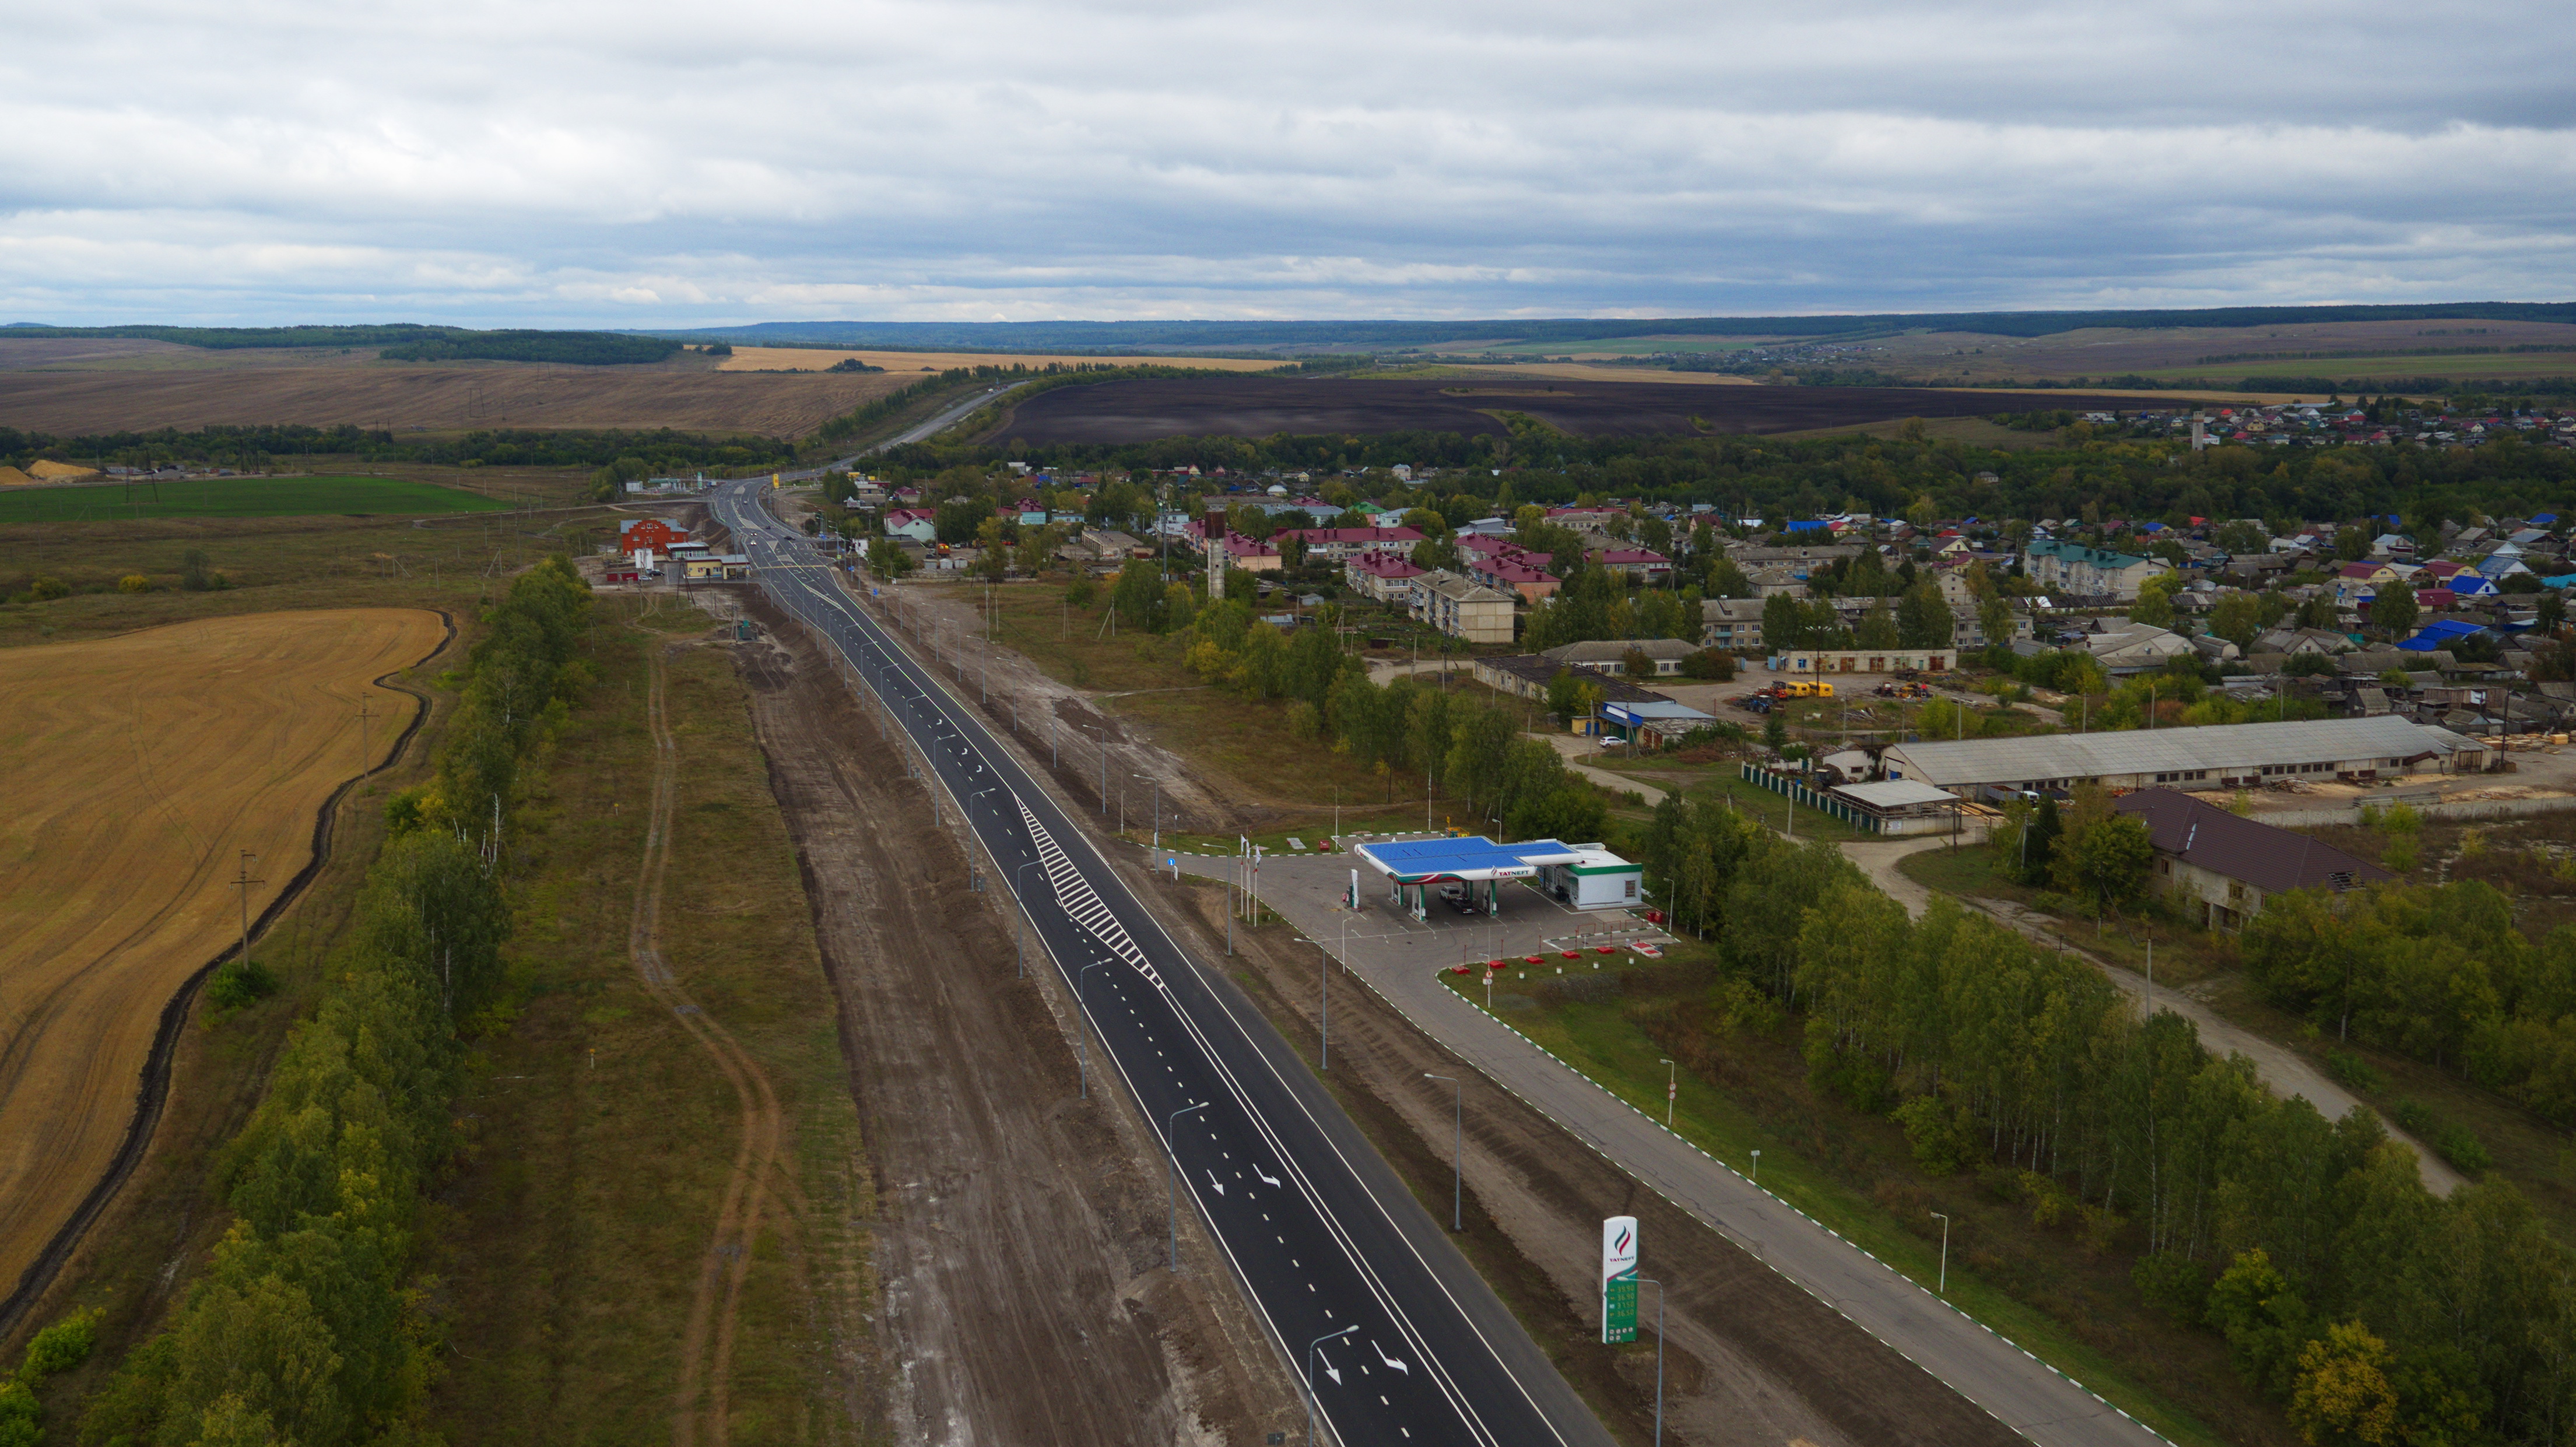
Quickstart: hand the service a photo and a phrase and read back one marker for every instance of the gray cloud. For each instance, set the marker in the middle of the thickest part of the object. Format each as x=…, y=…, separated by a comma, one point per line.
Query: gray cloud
x=637, y=164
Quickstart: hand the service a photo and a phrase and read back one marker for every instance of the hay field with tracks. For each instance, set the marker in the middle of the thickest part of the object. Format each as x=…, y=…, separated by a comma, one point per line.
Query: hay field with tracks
x=137, y=768
x=188, y=387
x=908, y=366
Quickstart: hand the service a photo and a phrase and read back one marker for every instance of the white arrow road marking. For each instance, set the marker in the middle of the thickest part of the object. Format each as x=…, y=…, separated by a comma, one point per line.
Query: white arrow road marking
x=1330, y=1370
x=1266, y=1179
x=1213, y=1181
x=1386, y=1360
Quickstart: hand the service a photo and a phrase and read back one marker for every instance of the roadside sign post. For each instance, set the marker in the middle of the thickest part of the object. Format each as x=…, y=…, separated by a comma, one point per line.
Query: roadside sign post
x=1618, y=1280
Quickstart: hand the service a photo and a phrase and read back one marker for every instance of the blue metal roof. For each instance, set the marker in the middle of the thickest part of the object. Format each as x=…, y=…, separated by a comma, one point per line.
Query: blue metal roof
x=2439, y=632
x=1424, y=861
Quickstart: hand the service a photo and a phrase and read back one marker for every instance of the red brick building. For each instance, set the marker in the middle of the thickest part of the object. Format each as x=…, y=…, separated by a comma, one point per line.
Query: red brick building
x=649, y=533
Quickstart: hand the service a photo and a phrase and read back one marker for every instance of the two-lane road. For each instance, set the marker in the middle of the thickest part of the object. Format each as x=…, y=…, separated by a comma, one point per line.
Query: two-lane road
x=1325, y=1239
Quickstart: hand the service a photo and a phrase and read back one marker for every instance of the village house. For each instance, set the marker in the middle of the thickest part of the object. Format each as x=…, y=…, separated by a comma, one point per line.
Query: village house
x=920, y=526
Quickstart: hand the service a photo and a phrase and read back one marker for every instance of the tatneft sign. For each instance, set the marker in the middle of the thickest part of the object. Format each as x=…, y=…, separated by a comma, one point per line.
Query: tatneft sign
x=1619, y=1280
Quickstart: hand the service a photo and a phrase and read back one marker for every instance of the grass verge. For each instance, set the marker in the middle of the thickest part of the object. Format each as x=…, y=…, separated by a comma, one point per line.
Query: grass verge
x=239, y=497
x=602, y=1138
x=267, y=564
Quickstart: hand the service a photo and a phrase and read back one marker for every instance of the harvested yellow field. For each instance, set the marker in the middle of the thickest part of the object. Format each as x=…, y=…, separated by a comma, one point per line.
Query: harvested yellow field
x=137, y=769
x=815, y=359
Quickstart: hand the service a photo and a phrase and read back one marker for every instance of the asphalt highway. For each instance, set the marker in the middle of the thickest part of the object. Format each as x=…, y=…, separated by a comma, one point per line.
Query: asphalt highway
x=1325, y=1240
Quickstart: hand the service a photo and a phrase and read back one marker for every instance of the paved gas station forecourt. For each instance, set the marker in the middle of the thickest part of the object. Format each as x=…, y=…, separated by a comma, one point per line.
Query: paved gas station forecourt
x=1402, y=955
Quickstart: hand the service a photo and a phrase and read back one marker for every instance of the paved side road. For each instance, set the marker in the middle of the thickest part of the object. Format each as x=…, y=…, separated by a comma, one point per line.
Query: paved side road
x=1401, y=959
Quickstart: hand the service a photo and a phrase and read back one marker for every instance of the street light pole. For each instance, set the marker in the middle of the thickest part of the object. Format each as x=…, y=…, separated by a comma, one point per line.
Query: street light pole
x=1172, y=1145
x=1158, y=805
x=1659, y=1355
x=1324, y=1006
x=1944, y=1288
x=1310, y=1376
x=1019, y=896
x=1457, y=1150
x=1082, y=1022
x=1757, y=1167
x=1672, y=1087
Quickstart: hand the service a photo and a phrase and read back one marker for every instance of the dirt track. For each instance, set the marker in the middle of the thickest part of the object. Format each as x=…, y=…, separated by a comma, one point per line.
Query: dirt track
x=137, y=769
x=1116, y=412
x=433, y=398
x=1021, y=1230
x=706, y=1347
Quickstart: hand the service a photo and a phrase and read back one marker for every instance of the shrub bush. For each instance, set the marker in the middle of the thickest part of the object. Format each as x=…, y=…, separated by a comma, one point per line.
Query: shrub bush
x=2455, y=1143
x=2352, y=1072
x=240, y=982
x=2173, y=1284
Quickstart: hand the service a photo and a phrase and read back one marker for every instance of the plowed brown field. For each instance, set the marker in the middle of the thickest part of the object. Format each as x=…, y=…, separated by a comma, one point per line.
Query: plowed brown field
x=436, y=399
x=136, y=770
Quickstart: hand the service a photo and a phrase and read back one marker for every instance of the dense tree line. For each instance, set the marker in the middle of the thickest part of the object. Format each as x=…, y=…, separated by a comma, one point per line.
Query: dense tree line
x=661, y=449
x=234, y=338
x=587, y=349
x=1475, y=753
x=2440, y=974
x=308, y=1327
x=2375, y=1311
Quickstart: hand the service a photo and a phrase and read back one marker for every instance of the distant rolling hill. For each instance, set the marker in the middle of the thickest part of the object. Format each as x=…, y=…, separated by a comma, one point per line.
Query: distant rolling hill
x=1375, y=335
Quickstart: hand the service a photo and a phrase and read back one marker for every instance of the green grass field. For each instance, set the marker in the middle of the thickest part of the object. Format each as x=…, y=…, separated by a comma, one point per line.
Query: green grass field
x=2468, y=367
x=238, y=497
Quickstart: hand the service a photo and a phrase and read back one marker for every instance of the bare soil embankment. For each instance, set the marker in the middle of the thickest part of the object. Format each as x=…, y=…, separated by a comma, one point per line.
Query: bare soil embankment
x=1020, y=1229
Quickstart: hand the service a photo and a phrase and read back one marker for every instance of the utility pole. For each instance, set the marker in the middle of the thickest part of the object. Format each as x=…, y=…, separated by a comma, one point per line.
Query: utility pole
x=366, y=760
x=243, y=883
x=1457, y=1150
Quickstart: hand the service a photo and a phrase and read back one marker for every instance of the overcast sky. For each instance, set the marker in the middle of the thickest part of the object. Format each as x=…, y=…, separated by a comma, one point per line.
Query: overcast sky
x=640, y=163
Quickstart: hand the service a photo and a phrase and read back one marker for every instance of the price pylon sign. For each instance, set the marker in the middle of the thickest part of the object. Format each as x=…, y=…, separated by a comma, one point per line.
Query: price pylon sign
x=1618, y=1280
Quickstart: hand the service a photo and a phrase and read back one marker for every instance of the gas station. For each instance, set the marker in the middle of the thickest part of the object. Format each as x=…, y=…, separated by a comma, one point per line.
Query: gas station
x=1414, y=867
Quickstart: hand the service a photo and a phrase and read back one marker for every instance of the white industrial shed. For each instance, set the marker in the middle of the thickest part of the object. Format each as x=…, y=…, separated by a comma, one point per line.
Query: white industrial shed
x=2227, y=756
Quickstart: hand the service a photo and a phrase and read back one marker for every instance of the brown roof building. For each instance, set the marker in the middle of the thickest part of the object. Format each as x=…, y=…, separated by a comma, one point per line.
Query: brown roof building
x=2218, y=867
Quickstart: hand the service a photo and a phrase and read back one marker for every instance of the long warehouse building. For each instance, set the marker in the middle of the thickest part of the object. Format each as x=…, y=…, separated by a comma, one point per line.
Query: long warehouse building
x=2225, y=756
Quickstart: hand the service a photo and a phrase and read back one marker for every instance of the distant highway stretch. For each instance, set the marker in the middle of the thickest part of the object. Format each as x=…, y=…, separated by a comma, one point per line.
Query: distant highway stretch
x=1323, y=1235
